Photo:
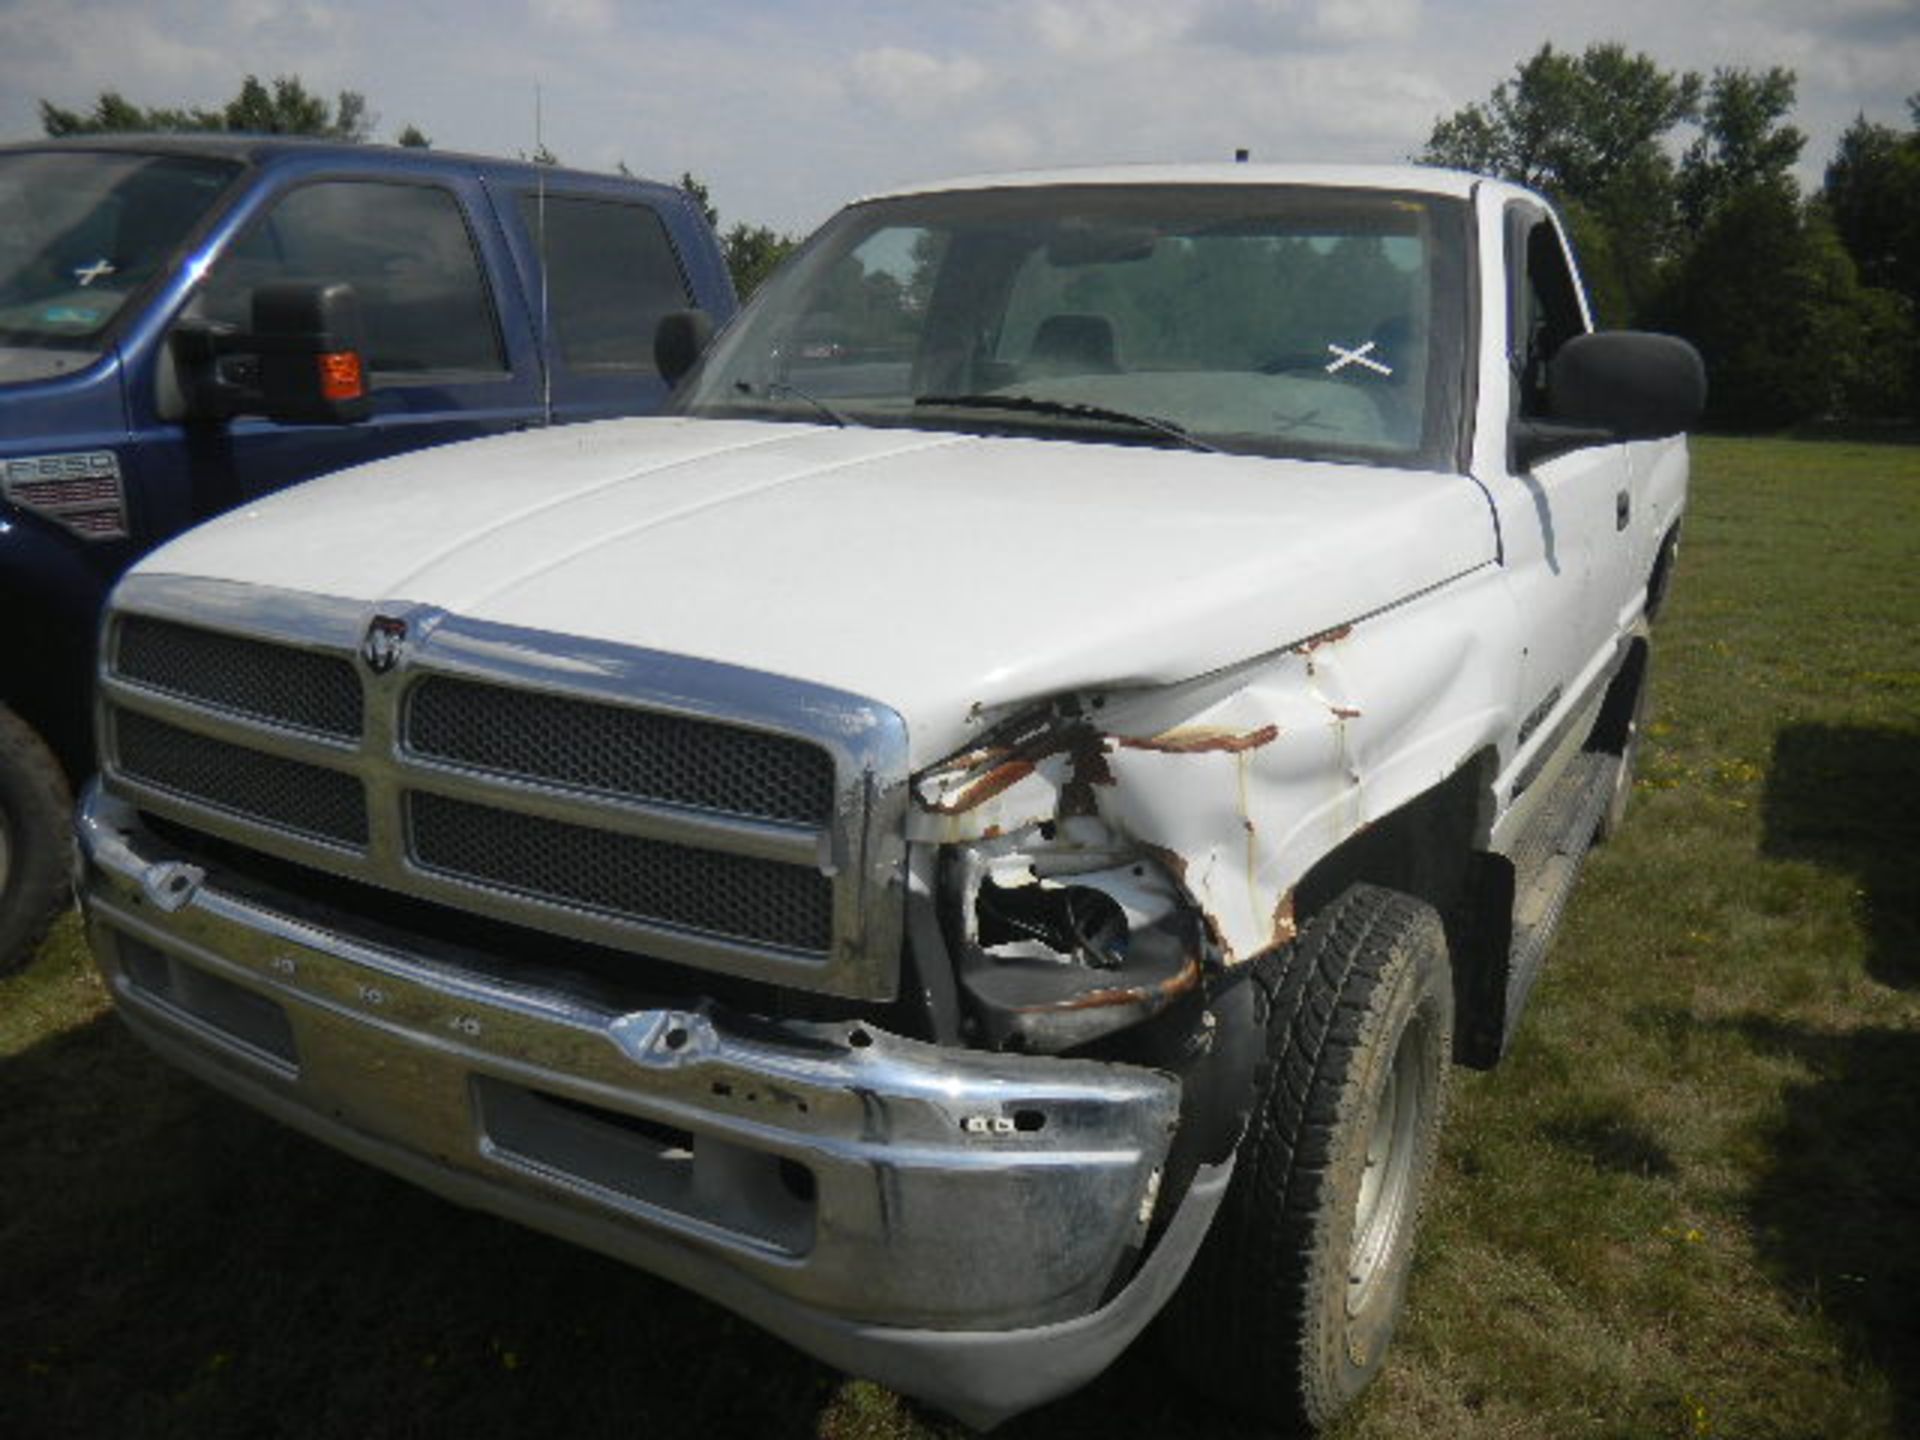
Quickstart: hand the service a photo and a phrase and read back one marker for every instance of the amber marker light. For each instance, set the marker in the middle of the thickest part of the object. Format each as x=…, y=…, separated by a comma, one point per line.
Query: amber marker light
x=340, y=376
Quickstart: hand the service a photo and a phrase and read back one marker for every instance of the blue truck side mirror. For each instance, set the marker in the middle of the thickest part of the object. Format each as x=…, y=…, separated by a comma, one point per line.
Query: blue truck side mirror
x=302, y=360
x=678, y=340
x=312, y=346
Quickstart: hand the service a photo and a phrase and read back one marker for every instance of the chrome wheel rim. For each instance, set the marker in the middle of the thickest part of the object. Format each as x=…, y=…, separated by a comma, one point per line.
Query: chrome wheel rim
x=1386, y=1190
x=1630, y=746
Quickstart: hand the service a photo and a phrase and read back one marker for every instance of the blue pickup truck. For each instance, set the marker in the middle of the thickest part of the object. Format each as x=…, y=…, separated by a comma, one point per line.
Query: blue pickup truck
x=188, y=322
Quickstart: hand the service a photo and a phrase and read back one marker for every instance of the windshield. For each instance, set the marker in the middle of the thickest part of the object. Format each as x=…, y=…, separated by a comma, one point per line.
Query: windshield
x=82, y=231
x=1260, y=319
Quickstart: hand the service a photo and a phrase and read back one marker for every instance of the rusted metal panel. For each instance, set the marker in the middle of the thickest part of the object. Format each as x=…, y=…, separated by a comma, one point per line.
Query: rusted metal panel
x=1198, y=740
x=1238, y=782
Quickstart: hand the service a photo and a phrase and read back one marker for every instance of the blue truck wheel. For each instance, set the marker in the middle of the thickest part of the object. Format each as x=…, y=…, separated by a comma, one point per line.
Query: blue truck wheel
x=35, y=840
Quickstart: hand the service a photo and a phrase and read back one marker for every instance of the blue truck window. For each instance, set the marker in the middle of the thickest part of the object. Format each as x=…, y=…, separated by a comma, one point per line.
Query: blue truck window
x=611, y=275
x=83, y=232
x=405, y=249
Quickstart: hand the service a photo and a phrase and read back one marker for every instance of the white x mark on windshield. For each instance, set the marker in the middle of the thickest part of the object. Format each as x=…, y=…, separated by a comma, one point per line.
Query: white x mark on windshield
x=1344, y=357
x=98, y=270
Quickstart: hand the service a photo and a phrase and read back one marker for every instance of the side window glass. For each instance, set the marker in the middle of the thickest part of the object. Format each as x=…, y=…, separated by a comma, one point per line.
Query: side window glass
x=404, y=248
x=1547, y=313
x=611, y=275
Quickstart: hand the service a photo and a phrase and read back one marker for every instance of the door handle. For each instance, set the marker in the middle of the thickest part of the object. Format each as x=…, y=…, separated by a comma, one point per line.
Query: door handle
x=1622, y=510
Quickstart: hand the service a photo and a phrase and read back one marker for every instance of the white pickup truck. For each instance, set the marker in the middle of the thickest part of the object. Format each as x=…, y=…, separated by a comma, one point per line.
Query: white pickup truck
x=990, y=822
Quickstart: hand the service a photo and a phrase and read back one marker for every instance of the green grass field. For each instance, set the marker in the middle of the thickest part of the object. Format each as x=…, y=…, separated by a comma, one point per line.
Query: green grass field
x=1688, y=1205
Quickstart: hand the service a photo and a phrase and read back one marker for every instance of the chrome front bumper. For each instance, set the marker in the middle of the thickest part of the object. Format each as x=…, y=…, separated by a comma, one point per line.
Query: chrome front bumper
x=918, y=1213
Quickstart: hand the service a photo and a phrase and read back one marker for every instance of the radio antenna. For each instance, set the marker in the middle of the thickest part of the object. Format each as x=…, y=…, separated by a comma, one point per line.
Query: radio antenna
x=540, y=252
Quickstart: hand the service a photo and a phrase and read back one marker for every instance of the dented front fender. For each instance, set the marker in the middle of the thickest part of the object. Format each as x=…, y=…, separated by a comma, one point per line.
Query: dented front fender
x=1238, y=782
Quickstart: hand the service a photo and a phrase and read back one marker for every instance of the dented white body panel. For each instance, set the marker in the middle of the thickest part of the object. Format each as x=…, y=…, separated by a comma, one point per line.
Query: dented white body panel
x=1245, y=778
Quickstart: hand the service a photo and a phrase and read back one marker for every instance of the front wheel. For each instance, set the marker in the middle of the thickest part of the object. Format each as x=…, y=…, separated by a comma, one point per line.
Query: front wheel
x=1620, y=729
x=35, y=840
x=1289, y=1306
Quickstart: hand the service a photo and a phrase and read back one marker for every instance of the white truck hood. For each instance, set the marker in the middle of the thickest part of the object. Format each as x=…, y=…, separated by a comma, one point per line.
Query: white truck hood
x=933, y=572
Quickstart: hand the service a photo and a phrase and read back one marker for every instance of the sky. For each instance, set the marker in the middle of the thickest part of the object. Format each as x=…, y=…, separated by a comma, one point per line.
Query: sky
x=786, y=110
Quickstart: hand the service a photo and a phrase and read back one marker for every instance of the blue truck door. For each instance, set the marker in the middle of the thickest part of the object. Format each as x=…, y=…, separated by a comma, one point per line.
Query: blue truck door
x=449, y=354
x=606, y=270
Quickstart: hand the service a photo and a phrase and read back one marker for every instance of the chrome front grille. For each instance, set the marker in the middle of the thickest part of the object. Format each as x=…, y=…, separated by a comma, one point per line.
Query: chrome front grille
x=672, y=807
x=305, y=799
x=295, y=688
x=619, y=751
x=625, y=875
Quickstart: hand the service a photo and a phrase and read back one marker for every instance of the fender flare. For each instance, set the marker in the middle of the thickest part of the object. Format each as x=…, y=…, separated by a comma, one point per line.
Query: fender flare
x=51, y=594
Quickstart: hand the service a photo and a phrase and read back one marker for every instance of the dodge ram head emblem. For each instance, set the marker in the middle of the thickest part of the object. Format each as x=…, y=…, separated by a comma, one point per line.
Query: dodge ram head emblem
x=386, y=638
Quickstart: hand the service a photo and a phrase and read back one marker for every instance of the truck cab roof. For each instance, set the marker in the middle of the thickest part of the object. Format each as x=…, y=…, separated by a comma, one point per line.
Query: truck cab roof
x=260, y=150
x=1418, y=178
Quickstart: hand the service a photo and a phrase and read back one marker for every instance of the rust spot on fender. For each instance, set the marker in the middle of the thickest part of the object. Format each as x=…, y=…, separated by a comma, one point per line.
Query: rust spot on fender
x=1325, y=637
x=1152, y=996
x=1086, y=752
x=1178, y=864
x=1285, y=926
x=1217, y=936
x=1003, y=776
x=1173, y=860
x=1202, y=740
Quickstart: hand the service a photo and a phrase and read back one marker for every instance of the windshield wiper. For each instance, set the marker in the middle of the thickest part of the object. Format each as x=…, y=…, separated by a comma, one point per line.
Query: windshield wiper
x=1036, y=405
x=777, y=389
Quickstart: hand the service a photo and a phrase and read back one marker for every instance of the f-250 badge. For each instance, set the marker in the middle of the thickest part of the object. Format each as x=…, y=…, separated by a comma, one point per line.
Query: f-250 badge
x=386, y=638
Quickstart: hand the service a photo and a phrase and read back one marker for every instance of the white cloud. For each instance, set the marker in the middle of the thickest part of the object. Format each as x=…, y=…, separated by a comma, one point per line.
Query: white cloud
x=1001, y=145
x=1351, y=22
x=1354, y=106
x=594, y=17
x=1103, y=31
x=913, y=79
x=1290, y=26
x=167, y=54
x=68, y=53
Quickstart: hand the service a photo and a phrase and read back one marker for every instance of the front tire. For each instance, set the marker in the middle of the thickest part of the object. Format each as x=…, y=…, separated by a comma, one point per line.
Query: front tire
x=1620, y=729
x=36, y=816
x=1289, y=1306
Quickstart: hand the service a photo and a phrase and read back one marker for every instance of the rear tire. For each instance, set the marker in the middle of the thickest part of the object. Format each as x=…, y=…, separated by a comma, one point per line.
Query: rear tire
x=36, y=840
x=1288, y=1309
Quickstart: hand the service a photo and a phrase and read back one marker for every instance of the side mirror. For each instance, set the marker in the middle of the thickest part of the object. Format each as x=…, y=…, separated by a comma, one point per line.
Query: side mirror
x=302, y=360
x=312, y=346
x=678, y=340
x=1639, y=385
x=1613, y=386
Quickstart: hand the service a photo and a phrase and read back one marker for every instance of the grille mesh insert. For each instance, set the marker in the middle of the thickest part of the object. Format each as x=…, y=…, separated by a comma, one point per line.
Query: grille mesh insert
x=648, y=881
x=614, y=750
x=307, y=799
x=282, y=686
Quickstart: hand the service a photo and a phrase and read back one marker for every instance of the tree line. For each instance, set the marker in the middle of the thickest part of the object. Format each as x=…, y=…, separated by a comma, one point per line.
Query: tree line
x=752, y=251
x=1804, y=306
x=286, y=107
